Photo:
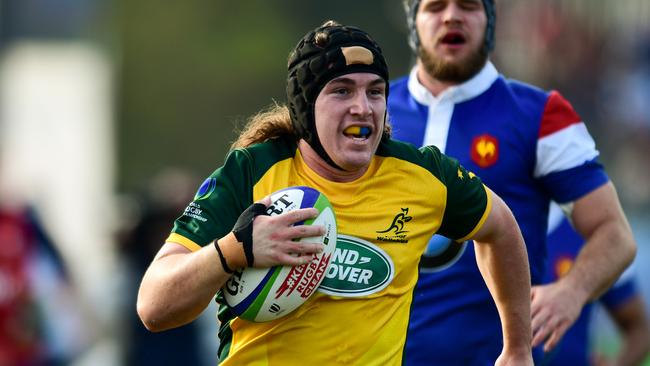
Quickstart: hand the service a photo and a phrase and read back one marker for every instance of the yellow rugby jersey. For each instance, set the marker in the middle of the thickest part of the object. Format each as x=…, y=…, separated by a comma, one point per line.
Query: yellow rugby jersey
x=359, y=314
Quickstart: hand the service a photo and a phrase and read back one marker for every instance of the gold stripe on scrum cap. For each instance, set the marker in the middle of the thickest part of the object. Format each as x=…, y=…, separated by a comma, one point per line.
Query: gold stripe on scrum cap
x=357, y=55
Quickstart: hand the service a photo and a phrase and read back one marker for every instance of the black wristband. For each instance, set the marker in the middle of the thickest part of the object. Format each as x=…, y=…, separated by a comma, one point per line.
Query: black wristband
x=224, y=264
x=243, y=229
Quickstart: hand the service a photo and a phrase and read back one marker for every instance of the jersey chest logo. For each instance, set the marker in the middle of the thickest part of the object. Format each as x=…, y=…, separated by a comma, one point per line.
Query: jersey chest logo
x=485, y=150
x=357, y=268
x=396, y=232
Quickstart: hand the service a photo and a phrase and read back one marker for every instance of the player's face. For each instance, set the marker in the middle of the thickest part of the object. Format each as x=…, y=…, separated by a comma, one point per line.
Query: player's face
x=349, y=114
x=452, y=34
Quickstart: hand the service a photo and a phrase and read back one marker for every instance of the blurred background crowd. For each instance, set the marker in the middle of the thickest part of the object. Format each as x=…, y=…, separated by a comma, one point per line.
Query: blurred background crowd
x=112, y=112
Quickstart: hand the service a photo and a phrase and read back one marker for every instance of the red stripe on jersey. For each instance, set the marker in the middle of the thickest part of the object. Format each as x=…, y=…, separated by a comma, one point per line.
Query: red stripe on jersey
x=558, y=114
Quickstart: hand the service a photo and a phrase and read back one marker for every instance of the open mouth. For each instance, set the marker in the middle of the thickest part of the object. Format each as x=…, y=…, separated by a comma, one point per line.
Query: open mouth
x=357, y=132
x=453, y=38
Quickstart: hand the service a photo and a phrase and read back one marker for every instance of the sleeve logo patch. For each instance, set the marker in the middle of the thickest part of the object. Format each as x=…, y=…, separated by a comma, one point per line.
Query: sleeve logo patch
x=207, y=187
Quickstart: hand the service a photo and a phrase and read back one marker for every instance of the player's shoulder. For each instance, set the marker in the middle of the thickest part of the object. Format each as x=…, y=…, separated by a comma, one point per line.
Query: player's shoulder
x=527, y=93
x=523, y=91
x=427, y=157
x=271, y=150
x=550, y=107
x=525, y=101
x=258, y=158
x=405, y=151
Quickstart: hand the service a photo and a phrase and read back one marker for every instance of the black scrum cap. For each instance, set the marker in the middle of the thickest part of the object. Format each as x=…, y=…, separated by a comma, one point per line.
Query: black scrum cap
x=323, y=54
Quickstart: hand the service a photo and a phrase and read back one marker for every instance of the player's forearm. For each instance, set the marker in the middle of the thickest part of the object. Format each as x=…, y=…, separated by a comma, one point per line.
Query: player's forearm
x=505, y=270
x=176, y=288
x=609, y=245
x=605, y=255
x=503, y=261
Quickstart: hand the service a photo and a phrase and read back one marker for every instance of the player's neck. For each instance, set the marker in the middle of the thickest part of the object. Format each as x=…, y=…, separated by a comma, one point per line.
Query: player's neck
x=322, y=168
x=433, y=85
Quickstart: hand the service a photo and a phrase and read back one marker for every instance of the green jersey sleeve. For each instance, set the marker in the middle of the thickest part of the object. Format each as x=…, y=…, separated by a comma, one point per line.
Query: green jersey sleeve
x=468, y=203
x=218, y=202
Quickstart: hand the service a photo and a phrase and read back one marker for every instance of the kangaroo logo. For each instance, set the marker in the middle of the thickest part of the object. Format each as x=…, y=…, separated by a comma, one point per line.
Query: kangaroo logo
x=397, y=226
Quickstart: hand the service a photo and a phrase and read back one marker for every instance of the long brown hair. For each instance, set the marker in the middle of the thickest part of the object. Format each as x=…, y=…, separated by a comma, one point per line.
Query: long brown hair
x=270, y=123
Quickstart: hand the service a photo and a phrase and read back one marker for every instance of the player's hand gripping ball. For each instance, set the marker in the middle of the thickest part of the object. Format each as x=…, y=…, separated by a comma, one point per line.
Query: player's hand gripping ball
x=265, y=294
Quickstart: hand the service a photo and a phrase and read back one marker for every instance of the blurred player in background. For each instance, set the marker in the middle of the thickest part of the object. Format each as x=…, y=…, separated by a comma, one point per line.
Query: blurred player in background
x=333, y=137
x=623, y=303
x=42, y=321
x=531, y=147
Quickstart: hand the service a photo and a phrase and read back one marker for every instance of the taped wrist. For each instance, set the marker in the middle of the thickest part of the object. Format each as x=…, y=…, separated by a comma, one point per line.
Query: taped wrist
x=243, y=229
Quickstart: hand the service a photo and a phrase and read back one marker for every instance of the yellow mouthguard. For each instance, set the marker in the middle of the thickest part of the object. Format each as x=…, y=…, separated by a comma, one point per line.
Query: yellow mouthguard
x=353, y=130
x=356, y=130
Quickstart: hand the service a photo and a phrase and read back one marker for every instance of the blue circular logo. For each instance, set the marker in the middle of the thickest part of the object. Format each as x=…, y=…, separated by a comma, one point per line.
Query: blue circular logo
x=206, y=189
x=441, y=253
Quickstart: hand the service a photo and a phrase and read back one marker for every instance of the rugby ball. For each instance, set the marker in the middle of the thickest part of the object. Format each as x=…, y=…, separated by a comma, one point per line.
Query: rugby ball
x=266, y=294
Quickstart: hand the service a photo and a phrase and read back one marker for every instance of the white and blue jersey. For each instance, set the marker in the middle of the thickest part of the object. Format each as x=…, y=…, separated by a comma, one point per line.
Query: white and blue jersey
x=563, y=247
x=527, y=145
